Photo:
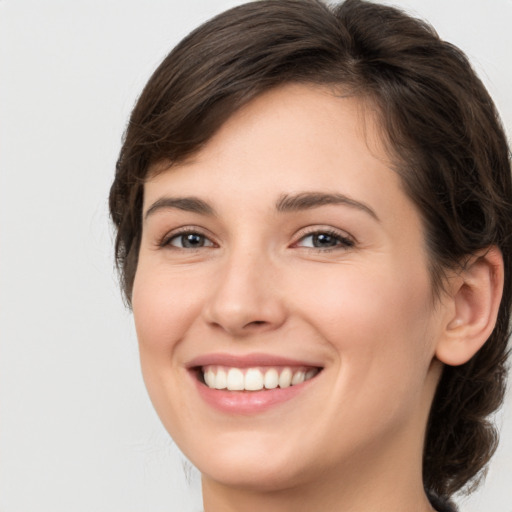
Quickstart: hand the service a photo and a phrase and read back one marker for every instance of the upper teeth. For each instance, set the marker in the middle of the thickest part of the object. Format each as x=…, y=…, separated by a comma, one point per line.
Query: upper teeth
x=255, y=379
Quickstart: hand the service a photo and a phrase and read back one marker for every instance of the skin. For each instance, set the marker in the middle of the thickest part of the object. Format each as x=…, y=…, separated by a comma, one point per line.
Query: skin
x=363, y=310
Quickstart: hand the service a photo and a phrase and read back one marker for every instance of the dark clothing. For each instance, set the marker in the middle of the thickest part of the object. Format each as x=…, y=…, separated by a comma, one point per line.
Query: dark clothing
x=442, y=505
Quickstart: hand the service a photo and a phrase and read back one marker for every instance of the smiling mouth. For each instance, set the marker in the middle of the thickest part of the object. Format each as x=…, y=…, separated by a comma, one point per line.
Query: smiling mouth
x=254, y=379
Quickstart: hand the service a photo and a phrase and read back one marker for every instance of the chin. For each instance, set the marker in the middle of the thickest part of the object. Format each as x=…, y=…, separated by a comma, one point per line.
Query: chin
x=251, y=465
x=257, y=477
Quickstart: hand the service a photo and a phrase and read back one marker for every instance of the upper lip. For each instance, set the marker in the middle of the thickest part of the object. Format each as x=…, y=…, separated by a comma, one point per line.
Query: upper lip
x=248, y=361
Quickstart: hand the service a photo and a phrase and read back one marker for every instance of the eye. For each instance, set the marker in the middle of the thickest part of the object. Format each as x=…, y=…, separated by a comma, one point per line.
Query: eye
x=188, y=240
x=325, y=240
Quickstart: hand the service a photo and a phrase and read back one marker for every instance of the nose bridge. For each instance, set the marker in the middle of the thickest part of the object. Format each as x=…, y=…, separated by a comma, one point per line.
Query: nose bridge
x=244, y=298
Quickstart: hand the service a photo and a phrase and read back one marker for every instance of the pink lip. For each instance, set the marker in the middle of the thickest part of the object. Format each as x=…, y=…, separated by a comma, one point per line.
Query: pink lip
x=246, y=402
x=247, y=361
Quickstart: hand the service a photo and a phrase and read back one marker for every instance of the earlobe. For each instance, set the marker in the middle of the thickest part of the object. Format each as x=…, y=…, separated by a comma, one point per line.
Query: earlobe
x=474, y=299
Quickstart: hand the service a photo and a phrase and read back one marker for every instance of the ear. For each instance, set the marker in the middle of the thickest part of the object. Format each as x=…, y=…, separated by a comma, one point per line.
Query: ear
x=473, y=298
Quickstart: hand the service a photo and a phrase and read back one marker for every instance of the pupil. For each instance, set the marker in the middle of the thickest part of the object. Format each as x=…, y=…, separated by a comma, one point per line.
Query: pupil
x=324, y=240
x=192, y=240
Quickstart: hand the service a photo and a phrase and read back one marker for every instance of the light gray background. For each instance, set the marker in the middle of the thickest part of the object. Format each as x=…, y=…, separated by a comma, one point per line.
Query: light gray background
x=77, y=431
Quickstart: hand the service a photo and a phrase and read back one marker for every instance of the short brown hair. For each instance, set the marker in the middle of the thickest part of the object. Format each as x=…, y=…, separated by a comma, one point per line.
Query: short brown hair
x=441, y=126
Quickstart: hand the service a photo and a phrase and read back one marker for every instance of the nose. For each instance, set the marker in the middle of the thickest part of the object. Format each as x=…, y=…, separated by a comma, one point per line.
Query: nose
x=246, y=297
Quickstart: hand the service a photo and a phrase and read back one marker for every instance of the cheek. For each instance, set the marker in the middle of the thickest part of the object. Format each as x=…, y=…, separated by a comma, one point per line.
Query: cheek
x=379, y=321
x=164, y=305
x=353, y=301
x=380, y=327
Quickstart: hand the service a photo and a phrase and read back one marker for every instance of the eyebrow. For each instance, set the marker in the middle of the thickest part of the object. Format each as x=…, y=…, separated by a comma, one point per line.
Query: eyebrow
x=309, y=200
x=187, y=204
x=286, y=203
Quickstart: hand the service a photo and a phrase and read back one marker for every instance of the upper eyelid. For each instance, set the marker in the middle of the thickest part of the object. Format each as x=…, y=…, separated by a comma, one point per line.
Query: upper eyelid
x=300, y=234
x=344, y=243
x=311, y=230
x=168, y=236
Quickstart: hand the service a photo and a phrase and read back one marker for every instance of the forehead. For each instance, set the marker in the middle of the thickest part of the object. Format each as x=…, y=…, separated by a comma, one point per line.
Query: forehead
x=296, y=136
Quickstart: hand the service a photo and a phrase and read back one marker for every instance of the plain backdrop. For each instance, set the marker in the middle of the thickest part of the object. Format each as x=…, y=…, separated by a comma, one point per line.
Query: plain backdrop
x=77, y=431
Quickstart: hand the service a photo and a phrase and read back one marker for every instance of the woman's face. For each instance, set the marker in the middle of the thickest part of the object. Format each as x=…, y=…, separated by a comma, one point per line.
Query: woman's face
x=285, y=253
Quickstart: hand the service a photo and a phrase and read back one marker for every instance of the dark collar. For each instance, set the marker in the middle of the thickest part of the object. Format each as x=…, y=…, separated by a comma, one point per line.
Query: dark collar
x=442, y=504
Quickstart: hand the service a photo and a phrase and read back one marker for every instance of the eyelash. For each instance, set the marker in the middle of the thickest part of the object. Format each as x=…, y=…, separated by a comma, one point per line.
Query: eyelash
x=341, y=242
x=166, y=241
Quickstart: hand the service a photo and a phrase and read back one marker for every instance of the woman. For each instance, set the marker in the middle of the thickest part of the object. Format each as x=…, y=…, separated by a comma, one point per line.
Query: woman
x=313, y=213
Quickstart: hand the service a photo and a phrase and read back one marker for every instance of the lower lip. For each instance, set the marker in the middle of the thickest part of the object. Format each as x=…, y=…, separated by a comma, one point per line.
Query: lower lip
x=248, y=402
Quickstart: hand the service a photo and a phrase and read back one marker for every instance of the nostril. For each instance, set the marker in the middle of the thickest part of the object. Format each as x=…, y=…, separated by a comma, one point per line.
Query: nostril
x=256, y=323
